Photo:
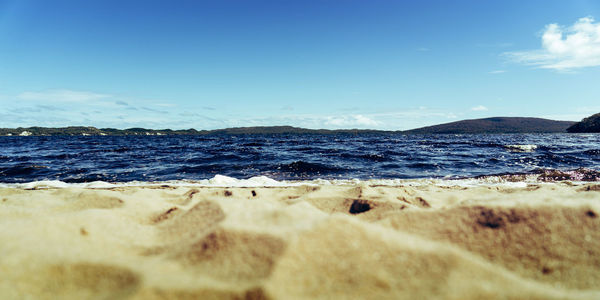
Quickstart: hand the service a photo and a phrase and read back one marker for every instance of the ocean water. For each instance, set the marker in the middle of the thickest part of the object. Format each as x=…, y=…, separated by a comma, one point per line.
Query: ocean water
x=77, y=159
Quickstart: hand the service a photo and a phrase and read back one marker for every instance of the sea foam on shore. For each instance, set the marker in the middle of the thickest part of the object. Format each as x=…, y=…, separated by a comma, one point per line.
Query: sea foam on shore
x=575, y=177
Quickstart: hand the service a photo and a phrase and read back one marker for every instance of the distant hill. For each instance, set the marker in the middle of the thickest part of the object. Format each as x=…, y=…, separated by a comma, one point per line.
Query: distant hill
x=497, y=125
x=589, y=124
x=488, y=125
x=288, y=130
x=80, y=130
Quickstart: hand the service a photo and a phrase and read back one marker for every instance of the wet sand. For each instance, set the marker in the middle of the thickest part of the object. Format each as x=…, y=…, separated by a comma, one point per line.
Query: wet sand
x=352, y=241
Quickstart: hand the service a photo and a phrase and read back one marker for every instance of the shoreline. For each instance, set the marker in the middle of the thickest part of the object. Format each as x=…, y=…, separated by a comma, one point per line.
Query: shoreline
x=574, y=177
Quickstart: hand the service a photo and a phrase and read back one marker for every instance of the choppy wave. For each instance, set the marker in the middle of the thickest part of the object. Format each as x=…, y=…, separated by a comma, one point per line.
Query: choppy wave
x=292, y=157
x=521, y=148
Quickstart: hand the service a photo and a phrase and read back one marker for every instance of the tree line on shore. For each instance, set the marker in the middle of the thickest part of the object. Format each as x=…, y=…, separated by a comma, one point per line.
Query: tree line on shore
x=476, y=126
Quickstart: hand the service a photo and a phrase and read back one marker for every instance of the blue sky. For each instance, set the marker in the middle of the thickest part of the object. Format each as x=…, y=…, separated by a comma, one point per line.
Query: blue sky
x=315, y=64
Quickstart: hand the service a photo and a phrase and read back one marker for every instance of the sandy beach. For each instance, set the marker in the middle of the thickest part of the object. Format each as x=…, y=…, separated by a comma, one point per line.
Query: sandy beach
x=358, y=240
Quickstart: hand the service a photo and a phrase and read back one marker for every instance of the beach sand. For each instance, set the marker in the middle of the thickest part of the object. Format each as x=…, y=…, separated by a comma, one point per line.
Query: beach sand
x=317, y=241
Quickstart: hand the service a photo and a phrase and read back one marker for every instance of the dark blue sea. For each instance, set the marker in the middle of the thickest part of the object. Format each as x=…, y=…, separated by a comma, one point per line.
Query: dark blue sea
x=293, y=157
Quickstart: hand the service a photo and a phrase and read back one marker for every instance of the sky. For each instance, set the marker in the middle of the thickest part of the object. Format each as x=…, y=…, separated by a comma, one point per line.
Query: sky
x=390, y=65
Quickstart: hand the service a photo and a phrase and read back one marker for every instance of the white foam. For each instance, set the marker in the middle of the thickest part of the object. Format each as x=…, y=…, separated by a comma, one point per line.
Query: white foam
x=521, y=148
x=263, y=181
x=44, y=184
x=225, y=181
x=217, y=181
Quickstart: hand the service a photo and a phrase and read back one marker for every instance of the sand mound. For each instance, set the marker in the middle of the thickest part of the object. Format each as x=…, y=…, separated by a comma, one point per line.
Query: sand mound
x=345, y=259
x=80, y=280
x=542, y=242
x=177, y=226
x=228, y=254
x=416, y=241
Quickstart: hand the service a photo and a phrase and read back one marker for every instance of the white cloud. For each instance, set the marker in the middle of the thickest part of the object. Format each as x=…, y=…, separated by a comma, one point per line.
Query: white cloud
x=62, y=96
x=353, y=120
x=386, y=119
x=479, y=108
x=497, y=72
x=362, y=120
x=565, y=48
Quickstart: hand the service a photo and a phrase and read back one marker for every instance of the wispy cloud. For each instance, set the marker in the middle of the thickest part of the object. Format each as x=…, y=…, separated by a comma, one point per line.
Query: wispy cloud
x=497, y=72
x=574, y=113
x=69, y=107
x=423, y=49
x=62, y=96
x=66, y=107
x=479, y=108
x=565, y=48
x=154, y=110
x=49, y=107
